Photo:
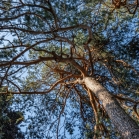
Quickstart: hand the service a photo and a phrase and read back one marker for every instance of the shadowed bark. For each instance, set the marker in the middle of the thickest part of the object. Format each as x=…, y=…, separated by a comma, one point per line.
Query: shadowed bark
x=126, y=126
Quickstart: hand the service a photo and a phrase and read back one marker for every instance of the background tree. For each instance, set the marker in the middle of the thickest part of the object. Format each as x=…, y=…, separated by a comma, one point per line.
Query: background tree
x=9, y=119
x=66, y=44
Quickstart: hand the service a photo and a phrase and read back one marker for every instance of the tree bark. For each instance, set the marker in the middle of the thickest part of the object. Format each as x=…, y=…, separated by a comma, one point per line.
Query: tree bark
x=125, y=125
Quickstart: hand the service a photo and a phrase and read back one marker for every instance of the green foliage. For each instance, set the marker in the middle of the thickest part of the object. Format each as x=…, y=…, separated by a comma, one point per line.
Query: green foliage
x=9, y=119
x=43, y=30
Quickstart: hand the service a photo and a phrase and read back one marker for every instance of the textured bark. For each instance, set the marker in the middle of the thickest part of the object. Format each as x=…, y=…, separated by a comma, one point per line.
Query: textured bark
x=125, y=125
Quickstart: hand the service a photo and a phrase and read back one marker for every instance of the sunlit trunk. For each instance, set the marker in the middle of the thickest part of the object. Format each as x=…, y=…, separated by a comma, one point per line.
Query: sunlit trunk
x=125, y=125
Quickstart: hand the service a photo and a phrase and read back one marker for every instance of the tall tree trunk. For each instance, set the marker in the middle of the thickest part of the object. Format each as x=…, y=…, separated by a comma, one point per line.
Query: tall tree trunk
x=125, y=125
